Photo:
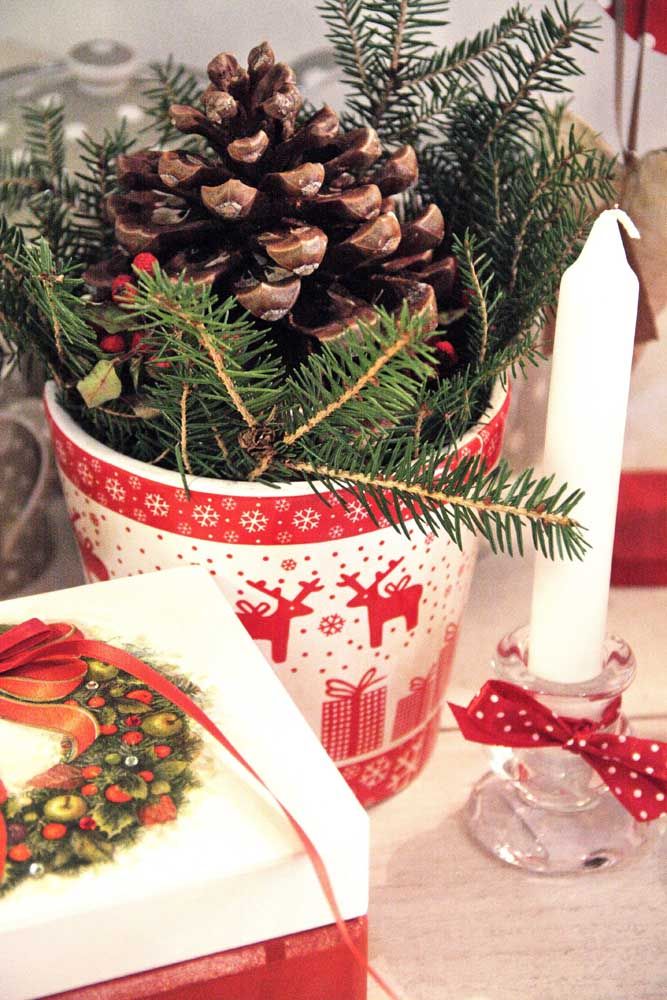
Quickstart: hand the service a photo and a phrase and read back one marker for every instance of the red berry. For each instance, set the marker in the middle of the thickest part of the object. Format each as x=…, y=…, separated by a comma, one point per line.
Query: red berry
x=132, y=720
x=54, y=831
x=162, y=750
x=146, y=775
x=159, y=364
x=72, y=701
x=87, y=823
x=114, y=793
x=448, y=349
x=141, y=694
x=112, y=344
x=162, y=811
x=96, y=701
x=91, y=771
x=140, y=342
x=89, y=789
x=145, y=262
x=109, y=729
x=20, y=852
x=132, y=738
x=123, y=288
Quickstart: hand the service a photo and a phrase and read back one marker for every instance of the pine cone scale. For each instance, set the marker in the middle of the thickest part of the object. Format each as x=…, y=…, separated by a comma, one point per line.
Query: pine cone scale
x=304, y=181
x=358, y=204
x=232, y=201
x=299, y=249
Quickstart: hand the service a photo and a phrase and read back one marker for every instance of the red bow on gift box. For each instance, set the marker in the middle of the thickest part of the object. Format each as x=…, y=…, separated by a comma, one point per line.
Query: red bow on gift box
x=635, y=769
x=36, y=670
x=40, y=663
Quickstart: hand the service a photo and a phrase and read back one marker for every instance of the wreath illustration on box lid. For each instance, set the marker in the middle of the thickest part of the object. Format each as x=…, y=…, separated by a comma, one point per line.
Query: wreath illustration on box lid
x=136, y=773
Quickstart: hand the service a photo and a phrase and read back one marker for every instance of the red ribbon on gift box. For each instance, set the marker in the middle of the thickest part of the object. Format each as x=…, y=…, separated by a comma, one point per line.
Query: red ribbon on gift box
x=635, y=769
x=38, y=660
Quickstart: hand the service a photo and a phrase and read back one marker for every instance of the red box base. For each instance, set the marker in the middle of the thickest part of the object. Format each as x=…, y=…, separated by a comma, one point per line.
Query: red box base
x=313, y=965
x=640, y=544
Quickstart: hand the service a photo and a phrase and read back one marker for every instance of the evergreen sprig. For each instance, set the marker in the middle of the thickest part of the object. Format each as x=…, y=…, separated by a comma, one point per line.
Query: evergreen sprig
x=169, y=83
x=95, y=181
x=518, y=200
x=203, y=390
x=341, y=420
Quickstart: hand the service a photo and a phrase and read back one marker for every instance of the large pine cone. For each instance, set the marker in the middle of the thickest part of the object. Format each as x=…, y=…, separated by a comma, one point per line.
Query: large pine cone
x=297, y=223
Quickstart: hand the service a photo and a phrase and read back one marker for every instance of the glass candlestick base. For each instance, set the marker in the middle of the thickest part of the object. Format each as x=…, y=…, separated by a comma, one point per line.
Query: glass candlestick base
x=546, y=810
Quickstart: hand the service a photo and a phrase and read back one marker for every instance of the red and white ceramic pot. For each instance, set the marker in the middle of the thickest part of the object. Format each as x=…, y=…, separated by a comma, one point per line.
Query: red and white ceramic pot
x=359, y=621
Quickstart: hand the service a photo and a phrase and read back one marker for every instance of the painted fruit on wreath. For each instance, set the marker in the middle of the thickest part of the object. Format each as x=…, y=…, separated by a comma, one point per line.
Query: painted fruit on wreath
x=137, y=773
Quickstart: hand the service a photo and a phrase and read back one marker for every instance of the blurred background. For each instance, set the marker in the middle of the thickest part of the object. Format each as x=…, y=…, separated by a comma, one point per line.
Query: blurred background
x=100, y=83
x=194, y=31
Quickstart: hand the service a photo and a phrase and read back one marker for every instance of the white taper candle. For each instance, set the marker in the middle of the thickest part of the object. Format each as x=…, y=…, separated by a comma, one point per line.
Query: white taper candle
x=588, y=394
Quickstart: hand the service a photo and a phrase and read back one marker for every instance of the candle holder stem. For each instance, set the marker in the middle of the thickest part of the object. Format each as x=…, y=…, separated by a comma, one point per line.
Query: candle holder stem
x=544, y=809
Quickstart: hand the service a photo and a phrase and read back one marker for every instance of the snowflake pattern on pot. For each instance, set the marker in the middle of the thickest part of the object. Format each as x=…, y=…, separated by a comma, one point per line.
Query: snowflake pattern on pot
x=156, y=504
x=375, y=772
x=253, y=520
x=205, y=515
x=272, y=519
x=306, y=519
x=331, y=624
x=115, y=490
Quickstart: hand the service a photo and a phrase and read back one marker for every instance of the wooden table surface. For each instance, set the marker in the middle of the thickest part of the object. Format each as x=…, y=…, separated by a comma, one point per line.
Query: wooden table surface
x=448, y=922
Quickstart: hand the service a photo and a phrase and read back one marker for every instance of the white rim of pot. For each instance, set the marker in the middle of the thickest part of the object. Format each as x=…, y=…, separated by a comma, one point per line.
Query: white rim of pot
x=207, y=484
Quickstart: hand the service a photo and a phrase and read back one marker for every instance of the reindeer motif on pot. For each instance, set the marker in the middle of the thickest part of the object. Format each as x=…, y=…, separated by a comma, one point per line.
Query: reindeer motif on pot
x=262, y=623
x=400, y=600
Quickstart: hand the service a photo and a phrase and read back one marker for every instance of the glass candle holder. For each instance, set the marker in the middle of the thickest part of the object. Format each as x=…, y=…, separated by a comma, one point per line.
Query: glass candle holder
x=544, y=809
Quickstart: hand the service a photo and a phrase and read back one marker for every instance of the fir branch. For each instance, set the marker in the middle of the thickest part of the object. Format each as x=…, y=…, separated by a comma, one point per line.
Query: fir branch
x=405, y=335
x=546, y=69
x=470, y=58
x=48, y=281
x=225, y=378
x=184, y=427
x=97, y=180
x=45, y=139
x=489, y=504
x=18, y=180
x=345, y=21
x=477, y=274
x=169, y=83
x=219, y=440
x=163, y=302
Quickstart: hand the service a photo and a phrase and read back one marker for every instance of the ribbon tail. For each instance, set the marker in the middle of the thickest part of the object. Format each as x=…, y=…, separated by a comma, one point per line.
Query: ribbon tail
x=75, y=723
x=642, y=808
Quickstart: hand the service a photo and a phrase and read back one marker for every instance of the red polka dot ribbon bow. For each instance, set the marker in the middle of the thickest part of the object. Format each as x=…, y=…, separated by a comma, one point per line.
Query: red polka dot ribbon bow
x=635, y=769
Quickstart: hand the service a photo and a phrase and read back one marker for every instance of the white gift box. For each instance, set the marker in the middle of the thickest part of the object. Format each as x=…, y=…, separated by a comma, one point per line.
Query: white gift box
x=229, y=871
